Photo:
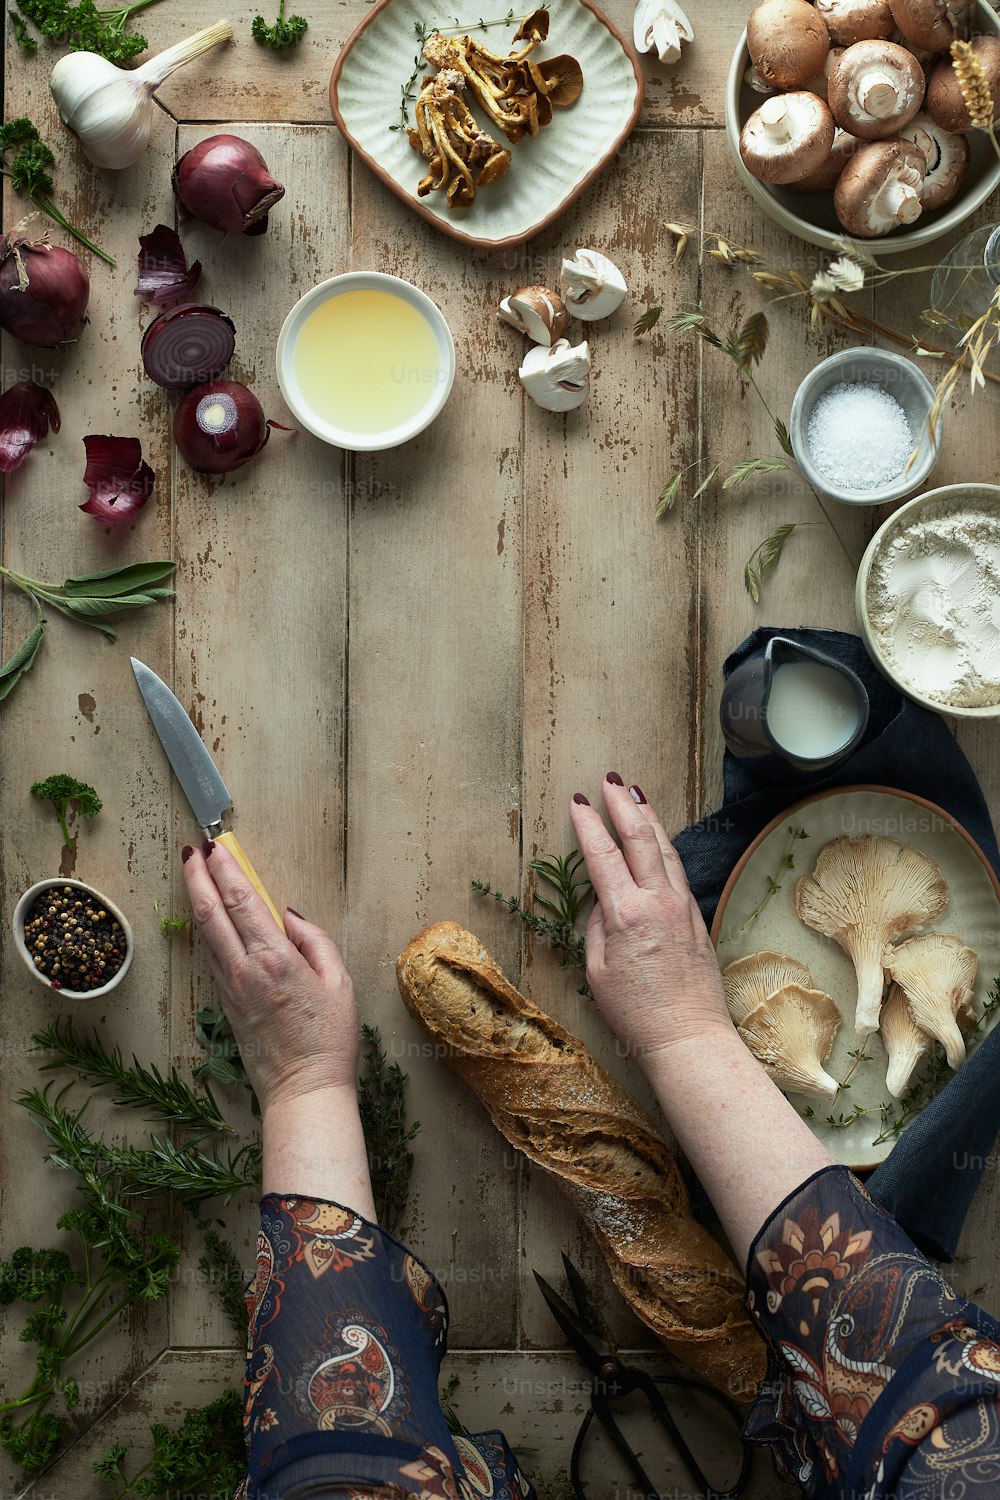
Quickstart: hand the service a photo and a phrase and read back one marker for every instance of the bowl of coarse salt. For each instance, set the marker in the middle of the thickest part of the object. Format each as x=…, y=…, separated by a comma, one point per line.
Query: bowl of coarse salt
x=928, y=600
x=859, y=427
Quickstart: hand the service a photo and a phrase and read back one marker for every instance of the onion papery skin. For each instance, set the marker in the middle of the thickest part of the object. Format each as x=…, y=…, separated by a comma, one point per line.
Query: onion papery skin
x=188, y=346
x=224, y=181
x=219, y=426
x=50, y=311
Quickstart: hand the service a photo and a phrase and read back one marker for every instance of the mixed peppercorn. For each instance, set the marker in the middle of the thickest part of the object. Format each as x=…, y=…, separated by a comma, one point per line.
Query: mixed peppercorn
x=73, y=940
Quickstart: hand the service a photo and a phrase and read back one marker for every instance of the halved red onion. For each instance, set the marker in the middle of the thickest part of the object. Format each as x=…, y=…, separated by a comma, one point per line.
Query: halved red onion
x=164, y=274
x=224, y=181
x=118, y=477
x=187, y=345
x=221, y=425
x=27, y=411
x=44, y=291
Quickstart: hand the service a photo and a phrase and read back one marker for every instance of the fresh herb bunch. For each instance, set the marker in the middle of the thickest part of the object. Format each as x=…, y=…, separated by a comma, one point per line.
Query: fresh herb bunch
x=86, y=599
x=223, y=1270
x=571, y=891
x=283, y=33
x=206, y=1455
x=81, y=27
x=26, y=160
x=62, y=790
x=382, y=1104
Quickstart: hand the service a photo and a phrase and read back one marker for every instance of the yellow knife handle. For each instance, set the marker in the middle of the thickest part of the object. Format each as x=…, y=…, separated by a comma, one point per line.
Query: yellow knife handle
x=231, y=842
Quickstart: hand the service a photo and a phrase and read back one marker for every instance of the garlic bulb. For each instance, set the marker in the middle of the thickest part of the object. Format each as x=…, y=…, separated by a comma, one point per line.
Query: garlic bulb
x=110, y=109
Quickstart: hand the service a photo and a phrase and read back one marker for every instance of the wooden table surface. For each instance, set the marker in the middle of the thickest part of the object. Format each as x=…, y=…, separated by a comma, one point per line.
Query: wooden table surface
x=404, y=663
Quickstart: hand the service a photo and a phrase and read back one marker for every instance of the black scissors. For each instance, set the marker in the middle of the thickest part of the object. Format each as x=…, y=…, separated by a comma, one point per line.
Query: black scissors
x=587, y=1332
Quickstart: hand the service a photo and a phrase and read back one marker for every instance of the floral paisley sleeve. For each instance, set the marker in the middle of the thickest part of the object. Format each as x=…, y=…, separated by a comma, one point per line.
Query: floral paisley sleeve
x=882, y=1382
x=346, y=1336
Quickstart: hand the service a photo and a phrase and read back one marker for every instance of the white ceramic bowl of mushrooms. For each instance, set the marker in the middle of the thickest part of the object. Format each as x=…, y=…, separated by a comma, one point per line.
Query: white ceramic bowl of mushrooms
x=846, y=120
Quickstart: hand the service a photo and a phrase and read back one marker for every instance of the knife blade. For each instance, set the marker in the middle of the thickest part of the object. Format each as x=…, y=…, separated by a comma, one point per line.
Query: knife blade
x=205, y=790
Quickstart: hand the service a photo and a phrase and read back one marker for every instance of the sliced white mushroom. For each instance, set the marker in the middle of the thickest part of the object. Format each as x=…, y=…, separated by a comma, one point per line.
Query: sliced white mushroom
x=792, y=1034
x=850, y=21
x=662, y=26
x=937, y=973
x=788, y=137
x=875, y=89
x=947, y=158
x=593, y=286
x=827, y=175
x=536, y=311
x=787, y=42
x=749, y=981
x=905, y=1044
x=880, y=187
x=557, y=378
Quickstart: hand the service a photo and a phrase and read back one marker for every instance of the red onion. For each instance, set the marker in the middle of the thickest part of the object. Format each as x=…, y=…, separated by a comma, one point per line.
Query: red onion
x=187, y=346
x=221, y=425
x=27, y=411
x=224, y=181
x=44, y=291
x=118, y=477
x=163, y=269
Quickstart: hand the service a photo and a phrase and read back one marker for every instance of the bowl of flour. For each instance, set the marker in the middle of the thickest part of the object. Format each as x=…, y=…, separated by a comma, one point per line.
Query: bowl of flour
x=928, y=600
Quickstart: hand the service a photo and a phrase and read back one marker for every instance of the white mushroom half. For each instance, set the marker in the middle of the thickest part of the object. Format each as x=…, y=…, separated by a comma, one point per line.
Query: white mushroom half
x=875, y=89
x=937, y=973
x=945, y=104
x=905, y=1044
x=850, y=21
x=865, y=893
x=789, y=136
x=792, y=1034
x=787, y=42
x=661, y=26
x=947, y=158
x=827, y=174
x=536, y=311
x=557, y=378
x=749, y=981
x=880, y=188
x=593, y=286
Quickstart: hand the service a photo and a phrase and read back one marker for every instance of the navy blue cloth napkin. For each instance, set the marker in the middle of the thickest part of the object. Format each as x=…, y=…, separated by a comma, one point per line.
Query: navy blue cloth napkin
x=930, y=1177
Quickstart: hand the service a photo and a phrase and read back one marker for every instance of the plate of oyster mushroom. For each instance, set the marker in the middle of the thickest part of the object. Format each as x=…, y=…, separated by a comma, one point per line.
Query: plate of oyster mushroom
x=859, y=943
x=487, y=129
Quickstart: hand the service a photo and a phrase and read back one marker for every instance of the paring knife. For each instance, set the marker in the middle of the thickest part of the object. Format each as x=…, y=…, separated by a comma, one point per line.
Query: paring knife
x=195, y=770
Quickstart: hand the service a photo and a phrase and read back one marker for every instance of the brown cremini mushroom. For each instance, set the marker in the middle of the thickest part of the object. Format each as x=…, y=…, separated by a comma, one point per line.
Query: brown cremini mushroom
x=850, y=21
x=792, y=1034
x=875, y=89
x=789, y=136
x=879, y=189
x=945, y=104
x=930, y=25
x=537, y=311
x=827, y=175
x=820, y=82
x=787, y=42
x=947, y=158
x=748, y=982
x=937, y=973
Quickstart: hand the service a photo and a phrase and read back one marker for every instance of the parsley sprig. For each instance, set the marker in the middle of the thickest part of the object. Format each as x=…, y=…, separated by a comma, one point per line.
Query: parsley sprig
x=283, y=33
x=82, y=27
x=26, y=160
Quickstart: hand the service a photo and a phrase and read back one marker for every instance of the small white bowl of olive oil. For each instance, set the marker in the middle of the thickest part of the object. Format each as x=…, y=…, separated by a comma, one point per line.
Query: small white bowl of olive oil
x=365, y=360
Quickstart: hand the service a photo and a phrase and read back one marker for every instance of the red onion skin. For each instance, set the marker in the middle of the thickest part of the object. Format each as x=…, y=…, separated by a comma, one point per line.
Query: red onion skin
x=51, y=310
x=224, y=181
x=219, y=454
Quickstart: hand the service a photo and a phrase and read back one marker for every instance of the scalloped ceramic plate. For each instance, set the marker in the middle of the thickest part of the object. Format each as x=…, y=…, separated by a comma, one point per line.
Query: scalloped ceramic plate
x=973, y=914
x=546, y=174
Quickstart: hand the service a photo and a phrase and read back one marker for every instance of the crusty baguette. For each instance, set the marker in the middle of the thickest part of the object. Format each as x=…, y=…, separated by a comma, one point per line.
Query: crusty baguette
x=550, y=1099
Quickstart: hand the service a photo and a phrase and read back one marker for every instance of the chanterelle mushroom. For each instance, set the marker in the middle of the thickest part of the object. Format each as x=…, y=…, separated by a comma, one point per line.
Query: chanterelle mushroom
x=749, y=981
x=875, y=89
x=536, y=311
x=850, y=21
x=865, y=893
x=945, y=104
x=663, y=26
x=947, y=158
x=788, y=137
x=787, y=42
x=880, y=188
x=792, y=1034
x=904, y=1042
x=557, y=378
x=936, y=972
x=593, y=286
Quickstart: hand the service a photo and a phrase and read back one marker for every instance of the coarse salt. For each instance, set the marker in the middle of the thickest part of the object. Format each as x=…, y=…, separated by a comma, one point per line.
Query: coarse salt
x=859, y=436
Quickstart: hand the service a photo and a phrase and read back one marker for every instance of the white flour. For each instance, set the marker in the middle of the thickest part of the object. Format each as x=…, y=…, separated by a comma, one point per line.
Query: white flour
x=934, y=605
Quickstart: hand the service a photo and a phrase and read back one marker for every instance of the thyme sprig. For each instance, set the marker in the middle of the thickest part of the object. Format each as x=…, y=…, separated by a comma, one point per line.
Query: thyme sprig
x=774, y=884
x=571, y=892
x=422, y=31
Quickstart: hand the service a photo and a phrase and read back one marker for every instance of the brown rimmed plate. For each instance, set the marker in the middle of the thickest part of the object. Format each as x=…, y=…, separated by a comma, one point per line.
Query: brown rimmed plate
x=547, y=173
x=973, y=915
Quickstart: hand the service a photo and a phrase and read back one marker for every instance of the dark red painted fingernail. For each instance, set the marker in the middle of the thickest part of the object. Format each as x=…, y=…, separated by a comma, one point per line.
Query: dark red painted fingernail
x=614, y=778
x=581, y=799
x=207, y=847
x=186, y=854
x=295, y=913
x=637, y=795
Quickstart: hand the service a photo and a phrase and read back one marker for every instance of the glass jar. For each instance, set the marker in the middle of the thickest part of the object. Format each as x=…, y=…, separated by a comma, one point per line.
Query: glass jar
x=967, y=278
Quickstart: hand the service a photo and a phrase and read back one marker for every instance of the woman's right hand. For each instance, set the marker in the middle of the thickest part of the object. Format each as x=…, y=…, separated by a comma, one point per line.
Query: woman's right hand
x=650, y=962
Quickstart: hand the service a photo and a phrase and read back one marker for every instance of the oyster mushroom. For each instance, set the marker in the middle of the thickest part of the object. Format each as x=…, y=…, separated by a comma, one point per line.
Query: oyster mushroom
x=936, y=973
x=792, y=1034
x=787, y=42
x=947, y=158
x=865, y=893
x=927, y=24
x=827, y=175
x=662, y=26
x=904, y=1042
x=850, y=21
x=875, y=89
x=557, y=378
x=749, y=981
x=593, y=286
x=536, y=311
x=788, y=137
x=945, y=104
x=880, y=188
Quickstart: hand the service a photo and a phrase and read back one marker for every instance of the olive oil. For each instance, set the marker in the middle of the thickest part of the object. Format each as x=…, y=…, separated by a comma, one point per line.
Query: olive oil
x=367, y=361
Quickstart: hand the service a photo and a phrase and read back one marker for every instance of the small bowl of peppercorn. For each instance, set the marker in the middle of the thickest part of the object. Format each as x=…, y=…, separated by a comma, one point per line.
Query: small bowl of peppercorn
x=72, y=938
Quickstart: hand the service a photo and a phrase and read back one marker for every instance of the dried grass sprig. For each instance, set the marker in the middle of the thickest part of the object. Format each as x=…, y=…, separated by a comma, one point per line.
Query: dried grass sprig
x=975, y=89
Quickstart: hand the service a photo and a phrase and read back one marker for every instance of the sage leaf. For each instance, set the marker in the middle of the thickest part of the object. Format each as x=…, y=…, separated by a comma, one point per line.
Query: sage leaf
x=64, y=608
x=22, y=660
x=83, y=606
x=119, y=580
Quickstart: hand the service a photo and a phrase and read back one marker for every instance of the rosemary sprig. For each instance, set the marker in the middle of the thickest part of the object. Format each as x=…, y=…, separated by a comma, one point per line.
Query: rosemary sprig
x=382, y=1104
x=774, y=884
